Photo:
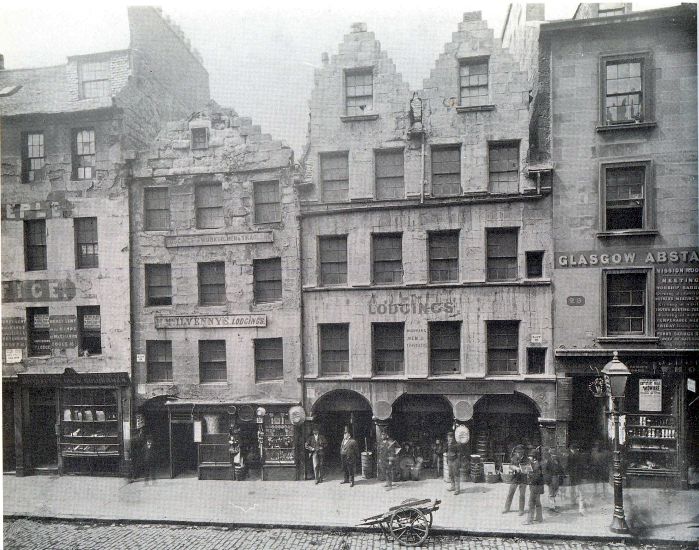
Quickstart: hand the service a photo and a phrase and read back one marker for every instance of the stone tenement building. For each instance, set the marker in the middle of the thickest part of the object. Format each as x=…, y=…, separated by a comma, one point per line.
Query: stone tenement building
x=216, y=296
x=623, y=137
x=68, y=134
x=426, y=249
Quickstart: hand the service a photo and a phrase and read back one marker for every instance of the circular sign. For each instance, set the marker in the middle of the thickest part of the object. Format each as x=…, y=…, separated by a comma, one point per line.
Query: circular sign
x=297, y=415
x=462, y=434
x=463, y=410
x=246, y=413
x=382, y=410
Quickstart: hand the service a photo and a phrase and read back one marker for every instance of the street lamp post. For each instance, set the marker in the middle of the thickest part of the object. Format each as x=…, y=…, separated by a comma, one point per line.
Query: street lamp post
x=616, y=374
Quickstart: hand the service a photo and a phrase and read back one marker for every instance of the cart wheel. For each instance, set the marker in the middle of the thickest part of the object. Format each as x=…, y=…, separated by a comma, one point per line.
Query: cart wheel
x=409, y=526
x=429, y=518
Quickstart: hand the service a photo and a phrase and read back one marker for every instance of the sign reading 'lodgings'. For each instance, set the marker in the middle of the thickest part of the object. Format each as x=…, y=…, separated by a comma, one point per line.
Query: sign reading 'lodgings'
x=175, y=241
x=211, y=321
x=413, y=304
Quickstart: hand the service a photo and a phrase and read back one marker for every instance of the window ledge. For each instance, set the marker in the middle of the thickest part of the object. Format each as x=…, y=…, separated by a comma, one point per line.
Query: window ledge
x=626, y=126
x=358, y=118
x=474, y=108
x=213, y=383
x=630, y=339
x=269, y=380
x=628, y=233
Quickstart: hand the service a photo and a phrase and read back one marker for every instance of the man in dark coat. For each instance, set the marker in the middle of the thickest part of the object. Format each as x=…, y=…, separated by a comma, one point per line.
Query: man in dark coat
x=349, y=454
x=454, y=462
x=519, y=481
x=316, y=445
x=149, y=460
x=535, y=480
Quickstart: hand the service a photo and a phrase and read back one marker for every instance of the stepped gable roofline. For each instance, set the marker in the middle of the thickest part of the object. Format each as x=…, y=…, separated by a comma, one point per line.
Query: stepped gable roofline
x=678, y=13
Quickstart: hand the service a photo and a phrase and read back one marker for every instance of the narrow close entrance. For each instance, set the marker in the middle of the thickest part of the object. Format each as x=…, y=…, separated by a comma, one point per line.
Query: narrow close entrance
x=183, y=449
x=41, y=431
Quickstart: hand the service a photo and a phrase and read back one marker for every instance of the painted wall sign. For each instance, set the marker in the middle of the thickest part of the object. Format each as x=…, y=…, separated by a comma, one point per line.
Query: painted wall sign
x=35, y=210
x=140, y=358
x=13, y=356
x=627, y=257
x=219, y=239
x=575, y=300
x=412, y=304
x=416, y=338
x=243, y=320
x=47, y=290
x=14, y=333
x=536, y=339
x=677, y=306
x=650, y=392
x=64, y=331
x=92, y=322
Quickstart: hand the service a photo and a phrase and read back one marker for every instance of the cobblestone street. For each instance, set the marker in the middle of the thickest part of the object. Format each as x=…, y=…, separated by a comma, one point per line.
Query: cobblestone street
x=29, y=534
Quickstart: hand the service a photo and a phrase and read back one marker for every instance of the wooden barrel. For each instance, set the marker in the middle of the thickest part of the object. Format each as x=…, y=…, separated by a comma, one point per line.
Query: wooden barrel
x=368, y=465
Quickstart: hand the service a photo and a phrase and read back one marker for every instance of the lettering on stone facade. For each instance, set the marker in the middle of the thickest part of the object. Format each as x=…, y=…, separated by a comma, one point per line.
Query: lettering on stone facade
x=47, y=290
x=64, y=331
x=219, y=239
x=14, y=333
x=416, y=338
x=412, y=304
x=627, y=257
x=35, y=210
x=677, y=306
x=211, y=321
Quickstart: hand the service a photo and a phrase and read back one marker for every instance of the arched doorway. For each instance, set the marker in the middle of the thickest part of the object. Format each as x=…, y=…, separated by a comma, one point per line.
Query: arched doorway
x=418, y=421
x=502, y=421
x=337, y=409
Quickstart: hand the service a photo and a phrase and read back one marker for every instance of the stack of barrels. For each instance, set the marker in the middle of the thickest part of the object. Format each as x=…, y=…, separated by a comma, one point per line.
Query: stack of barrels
x=476, y=469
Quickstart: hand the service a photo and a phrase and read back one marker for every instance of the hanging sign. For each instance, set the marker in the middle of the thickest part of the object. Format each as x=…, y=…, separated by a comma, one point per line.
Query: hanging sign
x=197, y=431
x=692, y=385
x=650, y=394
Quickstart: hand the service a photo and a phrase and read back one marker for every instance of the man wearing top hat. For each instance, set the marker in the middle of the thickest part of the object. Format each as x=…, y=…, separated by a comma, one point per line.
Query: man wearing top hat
x=316, y=445
x=349, y=454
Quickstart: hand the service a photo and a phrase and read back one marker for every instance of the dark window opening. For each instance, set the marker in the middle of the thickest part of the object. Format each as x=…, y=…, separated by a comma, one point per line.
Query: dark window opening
x=212, y=283
x=94, y=79
x=86, y=245
x=445, y=347
x=333, y=260
x=212, y=361
x=38, y=331
x=503, y=166
x=446, y=171
x=159, y=361
x=334, y=175
x=473, y=76
x=33, y=156
x=267, y=277
x=389, y=175
x=444, y=256
x=156, y=209
x=625, y=197
x=35, y=245
x=536, y=360
x=269, y=359
x=267, y=202
x=89, y=331
x=200, y=138
x=535, y=264
x=623, y=91
x=158, y=285
x=626, y=303
x=388, y=349
x=83, y=154
x=502, y=254
x=388, y=258
x=334, y=348
x=208, y=200
x=359, y=92
x=503, y=347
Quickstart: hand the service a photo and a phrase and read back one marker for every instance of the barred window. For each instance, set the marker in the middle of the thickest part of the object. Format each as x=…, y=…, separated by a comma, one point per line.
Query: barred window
x=158, y=285
x=200, y=138
x=333, y=260
x=83, y=154
x=334, y=174
x=503, y=162
x=334, y=348
x=86, y=245
x=89, y=331
x=269, y=359
x=625, y=197
x=473, y=75
x=35, y=245
x=359, y=91
x=446, y=171
x=389, y=175
x=267, y=202
x=208, y=199
x=94, y=79
x=158, y=361
x=38, y=331
x=502, y=254
x=445, y=347
x=156, y=211
x=624, y=91
x=387, y=345
x=212, y=283
x=267, y=275
x=33, y=155
x=503, y=347
x=626, y=303
x=212, y=361
x=444, y=256
x=387, y=251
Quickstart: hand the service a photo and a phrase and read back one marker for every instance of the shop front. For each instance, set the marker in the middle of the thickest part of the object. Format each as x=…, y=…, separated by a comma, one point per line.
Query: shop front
x=73, y=423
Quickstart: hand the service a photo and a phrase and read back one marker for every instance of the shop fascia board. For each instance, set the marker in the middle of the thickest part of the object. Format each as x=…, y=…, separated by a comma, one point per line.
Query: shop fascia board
x=597, y=352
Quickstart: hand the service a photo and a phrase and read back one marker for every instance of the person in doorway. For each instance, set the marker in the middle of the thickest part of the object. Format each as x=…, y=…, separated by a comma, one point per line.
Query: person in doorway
x=316, y=445
x=535, y=480
x=149, y=460
x=454, y=462
x=234, y=451
x=517, y=461
x=553, y=476
x=599, y=467
x=349, y=454
x=437, y=452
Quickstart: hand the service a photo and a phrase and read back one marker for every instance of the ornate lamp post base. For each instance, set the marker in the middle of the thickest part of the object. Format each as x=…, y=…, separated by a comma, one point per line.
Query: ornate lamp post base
x=619, y=526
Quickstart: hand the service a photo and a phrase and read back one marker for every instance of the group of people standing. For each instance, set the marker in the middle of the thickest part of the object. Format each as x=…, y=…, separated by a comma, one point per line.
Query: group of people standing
x=316, y=445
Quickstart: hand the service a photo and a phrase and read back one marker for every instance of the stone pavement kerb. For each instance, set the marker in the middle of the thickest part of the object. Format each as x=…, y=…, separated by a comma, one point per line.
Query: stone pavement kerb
x=653, y=514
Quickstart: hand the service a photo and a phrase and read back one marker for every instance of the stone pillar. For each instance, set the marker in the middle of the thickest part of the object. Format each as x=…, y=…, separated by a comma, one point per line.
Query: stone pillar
x=381, y=451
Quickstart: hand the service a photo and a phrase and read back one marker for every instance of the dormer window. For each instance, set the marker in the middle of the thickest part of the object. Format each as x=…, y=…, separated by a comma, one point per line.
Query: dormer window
x=359, y=92
x=94, y=79
x=200, y=138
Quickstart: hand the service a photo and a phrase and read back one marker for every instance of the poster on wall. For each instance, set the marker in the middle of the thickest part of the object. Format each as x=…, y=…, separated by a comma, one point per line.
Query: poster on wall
x=650, y=395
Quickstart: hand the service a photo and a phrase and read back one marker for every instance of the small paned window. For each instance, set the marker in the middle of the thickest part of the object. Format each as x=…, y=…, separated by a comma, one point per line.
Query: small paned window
x=624, y=91
x=35, y=245
x=388, y=258
x=446, y=171
x=389, y=175
x=625, y=197
x=267, y=202
x=473, y=76
x=535, y=264
x=158, y=285
x=444, y=256
x=359, y=92
x=212, y=361
x=158, y=361
x=212, y=283
x=208, y=199
x=267, y=275
x=387, y=345
x=503, y=347
x=502, y=254
x=610, y=10
x=156, y=209
x=536, y=360
x=445, y=347
x=626, y=303
x=33, y=156
x=200, y=138
x=333, y=260
x=83, y=154
x=334, y=172
x=89, y=331
x=334, y=348
x=94, y=79
x=503, y=166
x=38, y=331
x=86, y=245
x=269, y=359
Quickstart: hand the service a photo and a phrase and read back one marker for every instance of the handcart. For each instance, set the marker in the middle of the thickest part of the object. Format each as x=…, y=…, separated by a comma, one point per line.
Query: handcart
x=408, y=523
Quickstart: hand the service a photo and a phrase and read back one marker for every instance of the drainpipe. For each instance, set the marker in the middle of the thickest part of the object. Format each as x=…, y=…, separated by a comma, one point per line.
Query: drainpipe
x=422, y=174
